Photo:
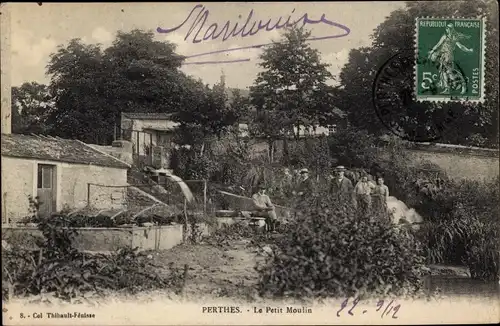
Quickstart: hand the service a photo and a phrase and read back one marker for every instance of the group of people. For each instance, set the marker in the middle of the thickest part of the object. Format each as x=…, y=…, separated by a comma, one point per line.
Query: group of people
x=366, y=195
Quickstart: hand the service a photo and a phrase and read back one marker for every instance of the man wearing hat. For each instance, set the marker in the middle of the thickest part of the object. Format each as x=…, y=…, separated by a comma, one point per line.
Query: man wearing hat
x=263, y=204
x=340, y=186
x=305, y=186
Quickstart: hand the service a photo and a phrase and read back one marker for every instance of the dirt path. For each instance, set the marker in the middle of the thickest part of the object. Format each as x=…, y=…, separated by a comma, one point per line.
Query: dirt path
x=215, y=271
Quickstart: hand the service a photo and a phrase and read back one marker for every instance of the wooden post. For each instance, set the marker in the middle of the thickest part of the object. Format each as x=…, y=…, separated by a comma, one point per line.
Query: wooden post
x=5, y=218
x=204, y=198
x=138, y=142
x=88, y=194
x=185, y=221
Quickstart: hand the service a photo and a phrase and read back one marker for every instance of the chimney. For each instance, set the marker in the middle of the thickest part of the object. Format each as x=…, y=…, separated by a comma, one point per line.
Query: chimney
x=5, y=68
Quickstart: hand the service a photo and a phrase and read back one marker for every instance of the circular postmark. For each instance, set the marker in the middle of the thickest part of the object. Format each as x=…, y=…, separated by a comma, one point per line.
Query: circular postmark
x=398, y=110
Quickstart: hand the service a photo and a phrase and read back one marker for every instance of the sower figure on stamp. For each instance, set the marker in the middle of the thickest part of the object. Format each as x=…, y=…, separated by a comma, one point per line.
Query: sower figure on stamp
x=341, y=187
x=263, y=204
x=442, y=55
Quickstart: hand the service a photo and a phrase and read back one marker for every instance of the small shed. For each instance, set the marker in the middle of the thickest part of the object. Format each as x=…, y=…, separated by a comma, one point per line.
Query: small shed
x=58, y=172
x=146, y=130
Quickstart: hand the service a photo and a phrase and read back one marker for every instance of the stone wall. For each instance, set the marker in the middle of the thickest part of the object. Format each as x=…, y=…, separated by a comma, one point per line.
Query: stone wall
x=110, y=239
x=75, y=192
x=458, y=161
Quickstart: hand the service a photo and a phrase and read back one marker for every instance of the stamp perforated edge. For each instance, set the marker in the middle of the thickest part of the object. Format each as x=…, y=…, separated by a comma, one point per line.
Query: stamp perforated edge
x=445, y=99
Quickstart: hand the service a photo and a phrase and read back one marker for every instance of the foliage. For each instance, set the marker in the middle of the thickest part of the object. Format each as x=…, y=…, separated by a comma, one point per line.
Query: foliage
x=311, y=153
x=482, y=250
x=463, y=218
x=331, y=250
x=291, y=91
x=353, y=148
x=106, y=221
x=190, y=165
x=135, y=74
x=209, y=113
x=477, y=125
x=460, y=217
x=232, y=155
x=58, y=268
x=31, y=106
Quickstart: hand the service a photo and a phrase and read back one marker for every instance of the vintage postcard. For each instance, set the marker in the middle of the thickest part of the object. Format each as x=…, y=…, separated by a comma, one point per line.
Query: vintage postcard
x=237, y=163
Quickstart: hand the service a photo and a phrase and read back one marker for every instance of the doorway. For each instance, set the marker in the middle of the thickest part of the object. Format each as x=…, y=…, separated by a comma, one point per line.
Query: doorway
x=46, y=189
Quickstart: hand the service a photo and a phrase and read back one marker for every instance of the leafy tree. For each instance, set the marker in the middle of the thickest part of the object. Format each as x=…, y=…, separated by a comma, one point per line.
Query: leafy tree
x=208, y=115
x=478, y=124
x=74, y=71
x=291, y=91
x=92, y=86
x=240, y=104
x=31, y=105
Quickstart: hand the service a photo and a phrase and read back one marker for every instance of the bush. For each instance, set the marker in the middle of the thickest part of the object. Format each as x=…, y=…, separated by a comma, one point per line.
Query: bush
x=464, y=220
x=482, y=251
x=333, y=251
x=313, y=153
x=353, y=148
x=58, y=268
x=189, y=165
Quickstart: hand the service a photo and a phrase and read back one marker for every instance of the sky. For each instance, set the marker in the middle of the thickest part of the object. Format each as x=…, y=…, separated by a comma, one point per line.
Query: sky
x=37, y=31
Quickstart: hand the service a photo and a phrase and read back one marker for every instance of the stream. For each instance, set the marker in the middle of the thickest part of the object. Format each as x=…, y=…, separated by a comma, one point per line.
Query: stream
x=457, y=286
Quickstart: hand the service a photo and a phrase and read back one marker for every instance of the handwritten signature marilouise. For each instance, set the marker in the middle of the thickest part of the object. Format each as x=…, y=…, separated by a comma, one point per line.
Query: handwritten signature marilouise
x=200, y=33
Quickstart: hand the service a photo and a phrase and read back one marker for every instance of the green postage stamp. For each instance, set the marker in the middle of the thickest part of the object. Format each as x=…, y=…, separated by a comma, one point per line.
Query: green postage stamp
x=450, y=59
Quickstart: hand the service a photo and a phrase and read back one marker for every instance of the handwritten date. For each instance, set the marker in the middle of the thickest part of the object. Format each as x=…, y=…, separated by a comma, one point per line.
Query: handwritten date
x=388, y=308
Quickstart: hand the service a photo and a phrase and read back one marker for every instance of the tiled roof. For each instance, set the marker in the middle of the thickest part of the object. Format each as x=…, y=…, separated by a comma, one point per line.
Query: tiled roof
x=147, y=116
x=55, y=149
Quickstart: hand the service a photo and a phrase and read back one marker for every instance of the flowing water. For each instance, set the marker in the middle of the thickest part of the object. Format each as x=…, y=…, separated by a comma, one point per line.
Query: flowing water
x=464, y=287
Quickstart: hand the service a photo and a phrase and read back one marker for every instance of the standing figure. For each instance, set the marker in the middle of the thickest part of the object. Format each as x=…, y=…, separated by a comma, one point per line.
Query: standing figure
x=288, y=177
x=305, y=186
x=263, y=205
x=362, y=193
x=341, y=187
x=286, y=182
x=380, y=196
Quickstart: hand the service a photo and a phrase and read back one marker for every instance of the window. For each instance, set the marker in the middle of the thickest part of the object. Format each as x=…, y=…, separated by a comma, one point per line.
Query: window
x=332, y=129
x=45, y=176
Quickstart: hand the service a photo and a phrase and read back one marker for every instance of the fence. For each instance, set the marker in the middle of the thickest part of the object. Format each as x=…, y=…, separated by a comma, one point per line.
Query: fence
x=165, y=198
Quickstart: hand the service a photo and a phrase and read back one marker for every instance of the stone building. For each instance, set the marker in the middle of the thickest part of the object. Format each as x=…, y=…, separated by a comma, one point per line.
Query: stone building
x=60, y=172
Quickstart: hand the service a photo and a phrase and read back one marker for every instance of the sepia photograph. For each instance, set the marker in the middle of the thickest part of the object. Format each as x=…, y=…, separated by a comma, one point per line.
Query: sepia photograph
x=240, y=163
